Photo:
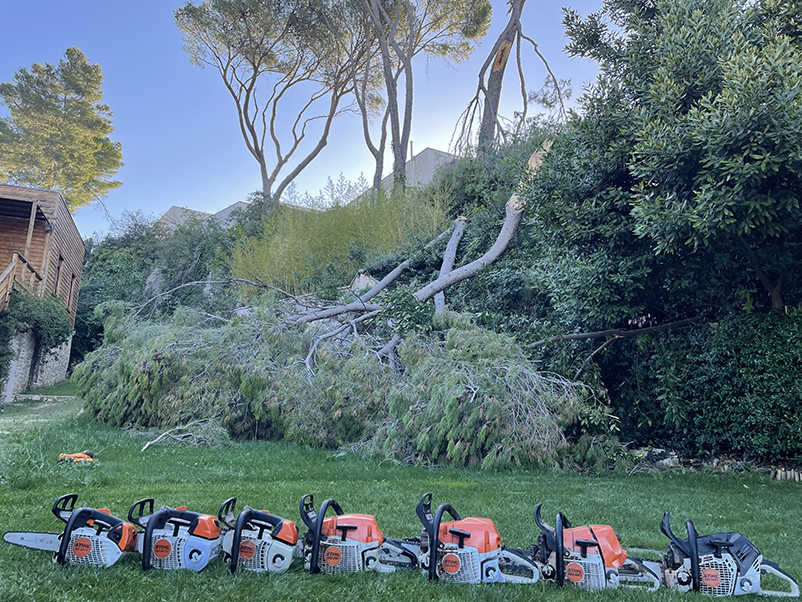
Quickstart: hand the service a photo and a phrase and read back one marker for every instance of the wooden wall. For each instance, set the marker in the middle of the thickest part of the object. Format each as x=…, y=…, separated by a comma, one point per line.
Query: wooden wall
x=62, y=249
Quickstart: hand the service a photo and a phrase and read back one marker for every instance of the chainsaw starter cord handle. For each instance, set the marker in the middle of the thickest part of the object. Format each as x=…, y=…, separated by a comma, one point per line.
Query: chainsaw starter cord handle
x=434, y=537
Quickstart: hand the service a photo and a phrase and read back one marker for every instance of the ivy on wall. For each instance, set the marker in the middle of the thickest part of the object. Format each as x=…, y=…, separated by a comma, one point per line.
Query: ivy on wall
x=45, y=318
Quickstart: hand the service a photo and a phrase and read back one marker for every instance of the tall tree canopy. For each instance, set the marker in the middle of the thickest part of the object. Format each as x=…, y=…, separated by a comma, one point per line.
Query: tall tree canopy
x=286, y=64
x=56, y=135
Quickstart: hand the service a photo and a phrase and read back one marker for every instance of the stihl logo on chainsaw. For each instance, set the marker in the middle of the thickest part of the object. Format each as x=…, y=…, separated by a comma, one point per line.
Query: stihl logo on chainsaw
x=575, y=572
x=162, y=549
x=711, y=577
x=451, y=563
x=82, y=547
x=333, y=556
x=247, y=549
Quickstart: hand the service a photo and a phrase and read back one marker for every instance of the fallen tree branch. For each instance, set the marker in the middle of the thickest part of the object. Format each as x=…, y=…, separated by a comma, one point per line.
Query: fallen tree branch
x=616, y=332
x=514, y=213
x=448, y=260
x=207, y=282
x=313, y=347
x=592, y=355
x=197, y=432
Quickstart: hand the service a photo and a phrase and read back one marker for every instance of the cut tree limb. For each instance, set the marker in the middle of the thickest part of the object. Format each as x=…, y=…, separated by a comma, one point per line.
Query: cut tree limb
x=514, y=213
x=448, y=260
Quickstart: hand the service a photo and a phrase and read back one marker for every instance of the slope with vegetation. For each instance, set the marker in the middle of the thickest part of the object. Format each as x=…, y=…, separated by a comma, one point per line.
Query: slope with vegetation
x=651, y=291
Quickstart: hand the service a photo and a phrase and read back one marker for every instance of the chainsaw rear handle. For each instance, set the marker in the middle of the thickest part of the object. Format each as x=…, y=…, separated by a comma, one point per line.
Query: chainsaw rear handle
x=314, y=521
x=253, y=520
x=774, y=569
x=434, y=536
x=87, y=516
x=559, y=548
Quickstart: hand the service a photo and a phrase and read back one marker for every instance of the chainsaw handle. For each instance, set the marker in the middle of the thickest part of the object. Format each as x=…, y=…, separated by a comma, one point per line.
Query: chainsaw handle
x=308, y=512
x=64, y=506
x=559, y=549
x=774, y=569
x=227, y=514
x=693, y=545
x=329, y=503
x=142, y=517
x=434, y=537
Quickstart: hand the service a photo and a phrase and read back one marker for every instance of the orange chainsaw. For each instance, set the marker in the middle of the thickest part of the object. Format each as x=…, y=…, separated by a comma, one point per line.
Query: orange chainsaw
x=468, y=550
x=257, y=540
x=175, y=538
x=91, y=536
x=346, y=543
x=590, y=557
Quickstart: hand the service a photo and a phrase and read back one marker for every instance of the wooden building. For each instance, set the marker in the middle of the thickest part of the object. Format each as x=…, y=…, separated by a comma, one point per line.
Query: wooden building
x=41, y=251
x=40, y=246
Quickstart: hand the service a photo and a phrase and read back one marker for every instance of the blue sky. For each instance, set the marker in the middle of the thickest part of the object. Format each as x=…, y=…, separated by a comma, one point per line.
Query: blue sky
x=177, y=124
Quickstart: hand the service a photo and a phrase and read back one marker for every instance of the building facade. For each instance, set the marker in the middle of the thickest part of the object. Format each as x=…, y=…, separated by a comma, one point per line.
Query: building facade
x=41, y=252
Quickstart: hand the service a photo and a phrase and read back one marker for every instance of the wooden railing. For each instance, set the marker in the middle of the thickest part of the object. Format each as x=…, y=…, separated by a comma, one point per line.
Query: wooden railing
x=8, y=277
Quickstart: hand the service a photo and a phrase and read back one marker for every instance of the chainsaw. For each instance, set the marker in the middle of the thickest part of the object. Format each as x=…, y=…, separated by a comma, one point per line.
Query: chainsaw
x=590, y=557
x=257, y=540
x=346, y=543
x=468, y=550
x=719, y=564
x=92, y=536
x=175, y=538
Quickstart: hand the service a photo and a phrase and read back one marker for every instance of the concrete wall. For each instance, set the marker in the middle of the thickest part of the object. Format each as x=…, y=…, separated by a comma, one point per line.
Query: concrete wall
x=28, y=372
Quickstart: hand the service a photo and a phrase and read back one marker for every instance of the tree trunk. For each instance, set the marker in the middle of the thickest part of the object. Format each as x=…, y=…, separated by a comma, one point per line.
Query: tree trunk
x=502, y=49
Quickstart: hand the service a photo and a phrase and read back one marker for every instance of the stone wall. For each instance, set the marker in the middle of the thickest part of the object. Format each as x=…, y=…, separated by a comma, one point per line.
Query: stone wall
x=27, y=372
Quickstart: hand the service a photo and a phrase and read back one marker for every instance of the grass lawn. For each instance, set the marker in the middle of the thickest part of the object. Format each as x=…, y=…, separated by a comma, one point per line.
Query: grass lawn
x=275, y=476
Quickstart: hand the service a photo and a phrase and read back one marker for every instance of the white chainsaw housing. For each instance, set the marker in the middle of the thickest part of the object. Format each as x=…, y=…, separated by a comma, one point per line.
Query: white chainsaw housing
x=719, y=576
x=349, y=556
x=587, y=572
x=87, y=547
x=261, y=555
x=181, y=551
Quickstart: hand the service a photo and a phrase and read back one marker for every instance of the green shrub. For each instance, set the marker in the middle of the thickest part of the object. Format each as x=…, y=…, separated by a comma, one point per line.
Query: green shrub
x=731, y=387
x=45, y=318
x=465, y=396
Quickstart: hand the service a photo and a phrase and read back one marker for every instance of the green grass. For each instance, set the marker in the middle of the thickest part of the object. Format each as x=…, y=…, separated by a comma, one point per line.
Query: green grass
x=275, y=476
x=65, y=387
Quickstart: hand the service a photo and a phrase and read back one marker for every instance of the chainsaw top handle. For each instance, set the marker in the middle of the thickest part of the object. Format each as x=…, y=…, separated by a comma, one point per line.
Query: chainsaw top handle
x=141, y=517
x=227, y=514
x=434, y=536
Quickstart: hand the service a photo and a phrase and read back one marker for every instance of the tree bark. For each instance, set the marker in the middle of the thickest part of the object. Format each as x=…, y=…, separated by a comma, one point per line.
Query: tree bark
x=514, y=211
x=501, y=53
x=448, y=260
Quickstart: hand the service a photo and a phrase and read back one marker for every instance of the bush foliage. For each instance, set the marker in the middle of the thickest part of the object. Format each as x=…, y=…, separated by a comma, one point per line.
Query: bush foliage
x=485, y=402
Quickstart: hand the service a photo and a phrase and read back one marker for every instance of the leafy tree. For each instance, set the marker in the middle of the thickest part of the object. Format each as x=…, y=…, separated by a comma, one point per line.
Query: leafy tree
x=56, y=135
x=300, y=54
